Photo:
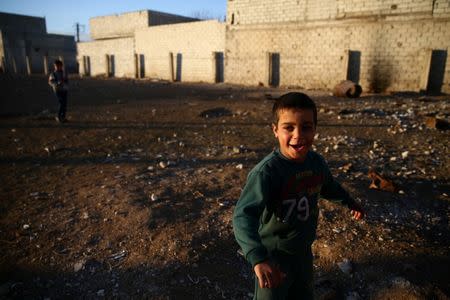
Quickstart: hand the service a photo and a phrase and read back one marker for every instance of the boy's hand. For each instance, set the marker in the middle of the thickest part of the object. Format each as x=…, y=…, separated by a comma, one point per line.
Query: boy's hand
x=269, y=276
x=356, y=211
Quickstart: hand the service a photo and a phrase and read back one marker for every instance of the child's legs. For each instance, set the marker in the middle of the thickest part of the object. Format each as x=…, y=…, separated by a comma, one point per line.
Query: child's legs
x=303, y=285
x=62, y=99
x=298, y=283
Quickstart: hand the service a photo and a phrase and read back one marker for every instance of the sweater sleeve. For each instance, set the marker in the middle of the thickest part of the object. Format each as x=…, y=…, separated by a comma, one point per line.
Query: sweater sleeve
x=246, y=217
x=333, y=191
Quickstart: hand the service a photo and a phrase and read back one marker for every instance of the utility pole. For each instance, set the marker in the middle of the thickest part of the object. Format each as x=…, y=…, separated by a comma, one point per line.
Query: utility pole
x=78, y=32
x=78, y=26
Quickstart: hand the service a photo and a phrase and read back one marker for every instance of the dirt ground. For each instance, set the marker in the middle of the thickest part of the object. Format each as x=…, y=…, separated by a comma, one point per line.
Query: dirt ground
x=133, y=197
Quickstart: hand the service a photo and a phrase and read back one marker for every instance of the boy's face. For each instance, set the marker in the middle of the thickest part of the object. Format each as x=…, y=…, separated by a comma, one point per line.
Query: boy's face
x=295, y=132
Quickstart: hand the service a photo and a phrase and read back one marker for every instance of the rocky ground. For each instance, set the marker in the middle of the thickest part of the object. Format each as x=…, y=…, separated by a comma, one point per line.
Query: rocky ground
x=133, y=197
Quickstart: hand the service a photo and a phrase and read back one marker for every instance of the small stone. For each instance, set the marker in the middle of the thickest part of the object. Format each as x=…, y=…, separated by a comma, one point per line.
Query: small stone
x=405, y=154
x=162, y=165
x=402, y=192
x=26, y=226
x=150, y=168
x=78, y=266
x=236, y=150
x=101, y=293
x=345, y=266
x=400, y=282
x=85, y=215
x=239, y=166
x=153, y=197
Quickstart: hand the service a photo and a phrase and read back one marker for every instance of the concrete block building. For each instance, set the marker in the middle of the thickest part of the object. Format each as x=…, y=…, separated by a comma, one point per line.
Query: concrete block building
x=26, y=47
x=183, y=52
x=153, y=44
x=383, y=45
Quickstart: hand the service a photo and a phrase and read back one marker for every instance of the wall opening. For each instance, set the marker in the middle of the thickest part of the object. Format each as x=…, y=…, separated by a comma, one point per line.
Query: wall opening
x=274, y=69
x=110, y=65
x=179, y=66
x=437, y=71
x=219, y=66
x=171, y=66
x=87, y=66
x=141, y=65
x=354, y=66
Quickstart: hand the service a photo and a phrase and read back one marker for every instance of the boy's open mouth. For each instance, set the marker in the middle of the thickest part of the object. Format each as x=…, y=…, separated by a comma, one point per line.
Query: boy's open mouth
x=298, y=147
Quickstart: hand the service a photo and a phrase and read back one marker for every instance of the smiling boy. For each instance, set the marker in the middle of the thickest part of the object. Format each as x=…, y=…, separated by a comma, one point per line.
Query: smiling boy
x=275, y=219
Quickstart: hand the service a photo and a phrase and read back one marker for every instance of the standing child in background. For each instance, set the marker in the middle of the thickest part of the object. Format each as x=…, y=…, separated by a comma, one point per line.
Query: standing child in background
x=275, y=219
x=59, y=82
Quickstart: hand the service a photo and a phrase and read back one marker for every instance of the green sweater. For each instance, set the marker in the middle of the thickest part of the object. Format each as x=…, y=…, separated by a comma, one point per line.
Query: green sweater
x=278, y=206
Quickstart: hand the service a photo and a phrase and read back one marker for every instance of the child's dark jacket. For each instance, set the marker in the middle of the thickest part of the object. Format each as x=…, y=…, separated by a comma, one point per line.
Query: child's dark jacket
x=278, y=208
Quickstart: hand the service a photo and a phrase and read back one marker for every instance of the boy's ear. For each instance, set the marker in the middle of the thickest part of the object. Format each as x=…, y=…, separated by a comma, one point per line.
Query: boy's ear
x=275, y=129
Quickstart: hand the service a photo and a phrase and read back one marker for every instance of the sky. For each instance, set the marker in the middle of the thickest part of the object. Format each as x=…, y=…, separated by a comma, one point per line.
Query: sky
x=62, y=15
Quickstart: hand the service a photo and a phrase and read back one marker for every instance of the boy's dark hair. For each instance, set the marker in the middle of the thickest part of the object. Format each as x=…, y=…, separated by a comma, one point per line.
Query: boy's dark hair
x=293, y=100
x=58, y=62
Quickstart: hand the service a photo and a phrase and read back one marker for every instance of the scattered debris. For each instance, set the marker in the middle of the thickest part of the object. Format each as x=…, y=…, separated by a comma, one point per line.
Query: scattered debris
x=216, y=113
x=239, y=166
x=347, y=88
x=78, y=266
x=120, y=255
x=381, y=183
x=345, y=266
x=437, y=123
x=347, y=167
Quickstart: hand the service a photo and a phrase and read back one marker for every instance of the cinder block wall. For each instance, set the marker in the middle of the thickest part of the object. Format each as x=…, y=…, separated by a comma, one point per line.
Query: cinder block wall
x=195, y=41
x=275, y=11
x=121, y=48
x=121, y=25
x=394, y=38
x=124, y=25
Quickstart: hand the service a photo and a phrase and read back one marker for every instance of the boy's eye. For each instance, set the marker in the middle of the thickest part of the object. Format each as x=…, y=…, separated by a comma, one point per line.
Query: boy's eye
x=289, y=128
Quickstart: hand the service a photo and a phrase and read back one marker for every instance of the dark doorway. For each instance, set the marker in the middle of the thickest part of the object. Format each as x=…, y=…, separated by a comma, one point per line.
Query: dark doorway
x=179, y=66
x=112, y=66
x=218, y=56
x=274, y=69
x=354, y=66
x=87, y=65
x=141, y=66
x=437, y=71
